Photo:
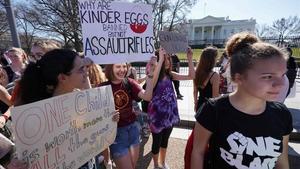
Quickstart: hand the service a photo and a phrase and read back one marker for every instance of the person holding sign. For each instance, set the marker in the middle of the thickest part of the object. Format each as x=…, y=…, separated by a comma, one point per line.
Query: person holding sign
x=58, y=72
x=162, y=109
x=125, y=149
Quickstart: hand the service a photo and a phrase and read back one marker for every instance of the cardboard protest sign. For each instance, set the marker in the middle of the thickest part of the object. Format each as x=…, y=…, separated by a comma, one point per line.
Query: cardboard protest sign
x=116, y=32
x=173, y=42
x=65, y=131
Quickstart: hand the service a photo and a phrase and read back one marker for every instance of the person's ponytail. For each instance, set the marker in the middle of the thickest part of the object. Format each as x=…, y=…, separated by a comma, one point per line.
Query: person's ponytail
x=32, y=87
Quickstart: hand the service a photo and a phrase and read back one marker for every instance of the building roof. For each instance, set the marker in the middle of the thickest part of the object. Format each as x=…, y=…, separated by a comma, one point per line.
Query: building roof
x=212, y=19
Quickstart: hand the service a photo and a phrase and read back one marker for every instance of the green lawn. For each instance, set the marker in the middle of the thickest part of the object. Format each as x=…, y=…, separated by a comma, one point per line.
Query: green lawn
x=197, y=53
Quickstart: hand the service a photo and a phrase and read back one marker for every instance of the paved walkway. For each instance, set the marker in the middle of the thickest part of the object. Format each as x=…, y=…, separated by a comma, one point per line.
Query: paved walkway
x=179, y=136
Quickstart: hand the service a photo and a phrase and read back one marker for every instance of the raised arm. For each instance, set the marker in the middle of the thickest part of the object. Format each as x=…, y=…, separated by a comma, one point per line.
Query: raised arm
x=191, y=75
x=148, y=92
x=157, y=69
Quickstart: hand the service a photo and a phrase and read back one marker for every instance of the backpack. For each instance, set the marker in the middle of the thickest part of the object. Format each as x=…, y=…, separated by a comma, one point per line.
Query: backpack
x=128, y=88
x=208, y=152
x=144, y=102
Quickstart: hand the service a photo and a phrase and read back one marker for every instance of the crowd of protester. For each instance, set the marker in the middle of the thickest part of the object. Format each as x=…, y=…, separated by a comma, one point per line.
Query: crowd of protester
x=246, y=91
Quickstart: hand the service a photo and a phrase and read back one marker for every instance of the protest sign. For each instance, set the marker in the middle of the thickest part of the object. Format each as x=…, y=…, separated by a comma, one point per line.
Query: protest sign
x=65, y=131
x=173, y=42
x=116, y=32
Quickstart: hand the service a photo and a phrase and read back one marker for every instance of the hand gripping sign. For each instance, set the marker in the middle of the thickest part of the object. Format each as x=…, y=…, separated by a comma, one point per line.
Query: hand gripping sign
x=65, y=131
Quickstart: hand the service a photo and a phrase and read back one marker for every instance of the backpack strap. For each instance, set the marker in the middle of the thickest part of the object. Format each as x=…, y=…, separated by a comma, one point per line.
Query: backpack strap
x=127, y=85
x=128, y=88
x=211, y=76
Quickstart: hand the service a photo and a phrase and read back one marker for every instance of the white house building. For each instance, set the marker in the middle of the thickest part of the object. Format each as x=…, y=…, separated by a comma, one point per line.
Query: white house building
x=216, y=30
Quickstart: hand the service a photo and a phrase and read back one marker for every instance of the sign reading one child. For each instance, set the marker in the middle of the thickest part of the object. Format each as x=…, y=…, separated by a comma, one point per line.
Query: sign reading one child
x=66, y=131
x=173, y=42
x=116, y=32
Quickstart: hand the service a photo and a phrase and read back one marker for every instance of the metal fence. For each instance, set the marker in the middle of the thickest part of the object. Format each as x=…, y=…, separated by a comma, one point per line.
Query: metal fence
x=141, y=69
x=291, y=41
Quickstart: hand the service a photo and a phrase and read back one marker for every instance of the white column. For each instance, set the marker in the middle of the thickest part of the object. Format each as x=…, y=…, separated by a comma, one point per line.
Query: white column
x=202, y=34
x=193, y=33
x=212, y=32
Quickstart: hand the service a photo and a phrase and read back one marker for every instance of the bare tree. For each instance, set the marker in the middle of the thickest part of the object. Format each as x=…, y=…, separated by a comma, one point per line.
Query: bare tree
x=26, y=26
x=4, y=27
x=168, y=14
x=262, y=30
x=178, y=12
x=3, y=19
x=57, y=16
x=285, y=27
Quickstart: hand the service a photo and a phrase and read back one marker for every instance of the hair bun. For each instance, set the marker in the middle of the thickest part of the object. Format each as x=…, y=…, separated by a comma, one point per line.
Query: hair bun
x=240, y=40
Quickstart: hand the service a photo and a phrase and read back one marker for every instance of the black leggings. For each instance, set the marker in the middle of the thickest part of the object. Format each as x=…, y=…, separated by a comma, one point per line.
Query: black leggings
x=160, y=140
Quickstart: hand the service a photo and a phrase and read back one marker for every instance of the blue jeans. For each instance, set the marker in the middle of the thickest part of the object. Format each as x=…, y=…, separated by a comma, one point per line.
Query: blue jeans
x=127, y=137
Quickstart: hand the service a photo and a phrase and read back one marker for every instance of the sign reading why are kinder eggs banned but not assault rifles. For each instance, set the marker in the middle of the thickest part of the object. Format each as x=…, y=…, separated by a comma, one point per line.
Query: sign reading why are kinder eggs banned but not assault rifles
x=66, y=131
x=116, y=32
x=173, y=42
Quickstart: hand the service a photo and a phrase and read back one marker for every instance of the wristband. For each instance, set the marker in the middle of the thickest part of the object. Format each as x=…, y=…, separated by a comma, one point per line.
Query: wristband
x=5, y=117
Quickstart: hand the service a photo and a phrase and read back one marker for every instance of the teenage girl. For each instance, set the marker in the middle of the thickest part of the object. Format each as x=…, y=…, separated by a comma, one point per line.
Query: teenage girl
x=247, y=128
x=163, y=110
x=125, y=149
x=207, y=81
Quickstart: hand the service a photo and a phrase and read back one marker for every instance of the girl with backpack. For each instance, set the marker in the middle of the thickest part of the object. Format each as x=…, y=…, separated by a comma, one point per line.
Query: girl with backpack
x=125, y=149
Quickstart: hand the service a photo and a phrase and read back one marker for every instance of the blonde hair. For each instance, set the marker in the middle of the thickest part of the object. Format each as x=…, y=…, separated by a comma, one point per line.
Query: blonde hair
x=96, y=75
x=21, y=52
x=47, y=45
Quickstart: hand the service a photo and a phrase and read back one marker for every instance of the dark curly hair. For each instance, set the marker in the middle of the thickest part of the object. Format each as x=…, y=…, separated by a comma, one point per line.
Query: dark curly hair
x=40, y=79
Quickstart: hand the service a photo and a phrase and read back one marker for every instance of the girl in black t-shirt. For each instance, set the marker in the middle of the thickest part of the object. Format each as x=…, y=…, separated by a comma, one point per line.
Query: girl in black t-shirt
x=248, y=129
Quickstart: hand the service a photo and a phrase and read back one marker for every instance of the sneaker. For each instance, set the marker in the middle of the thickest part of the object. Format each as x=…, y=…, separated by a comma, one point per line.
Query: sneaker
x=109, y=165
x=146, y=132
x=165, y=166
x=179, y=97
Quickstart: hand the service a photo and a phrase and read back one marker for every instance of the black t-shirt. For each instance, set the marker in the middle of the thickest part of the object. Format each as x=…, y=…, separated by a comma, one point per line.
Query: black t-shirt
x=242, y=140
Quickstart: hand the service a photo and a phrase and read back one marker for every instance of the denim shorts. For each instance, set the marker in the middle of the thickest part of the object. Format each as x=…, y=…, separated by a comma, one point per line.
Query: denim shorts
x=127, y=137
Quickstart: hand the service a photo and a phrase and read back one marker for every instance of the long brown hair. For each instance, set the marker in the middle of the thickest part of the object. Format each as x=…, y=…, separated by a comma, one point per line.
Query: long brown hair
x=109, y=72
x=206, y=64
x=163, y=71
